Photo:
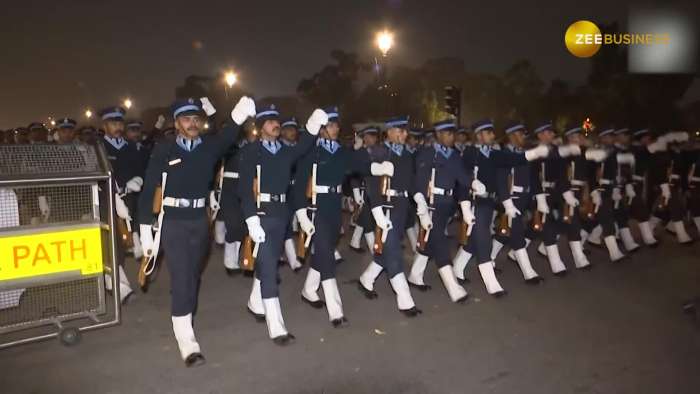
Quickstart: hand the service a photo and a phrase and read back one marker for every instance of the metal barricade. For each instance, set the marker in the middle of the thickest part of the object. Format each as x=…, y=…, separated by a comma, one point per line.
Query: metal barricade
x=56, y=243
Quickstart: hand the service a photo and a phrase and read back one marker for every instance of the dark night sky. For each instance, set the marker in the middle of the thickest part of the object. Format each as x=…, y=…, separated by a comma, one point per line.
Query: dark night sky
x=60, y=56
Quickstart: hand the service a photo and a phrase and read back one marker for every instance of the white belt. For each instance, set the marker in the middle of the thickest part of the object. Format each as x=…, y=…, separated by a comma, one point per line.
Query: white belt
x=184, y=202
x=548, y=184
x=396, y=193
x=577, y=182
x=321, y=189
x=267, y=197
x=605, y=182
x=438, y=191
x=230, y=174
x=517, y=189
x=675, y=176
x=638, y=178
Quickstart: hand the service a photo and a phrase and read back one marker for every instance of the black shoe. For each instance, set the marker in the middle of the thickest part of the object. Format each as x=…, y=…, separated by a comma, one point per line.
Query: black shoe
x=560, y=274
x=534, y=281
x=314, y=304
x=653, y=246
x=258, y=317
x=357, y=250
x=687, y=243
x=248, y=274
x=586, y=251
x=463, y=281
x=462, y=300
x=369, y=294
x=586, y=268
x=413, y=312
x=233, y=271
x=195, y=360
x=127, y=298
x=420, y=287
x=284, y=340
x=600, y=245
x=339, y=323
x=633, y=250
x=499, y=294
x=497, y=270
x=340, y=260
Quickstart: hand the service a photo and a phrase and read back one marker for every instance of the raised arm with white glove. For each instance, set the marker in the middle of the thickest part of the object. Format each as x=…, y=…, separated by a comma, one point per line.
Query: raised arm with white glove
x=134, y=184
x=257, y=234
x=596, y=155
x=510, y=208
x=207, y=106
x=305, y=223
x=625, y=158
x=542, y=205
x=426, y=222
x=383, y=168
x=569, y=150
x=380, y=218
x=538, y=152
x=318, y=119
x=244, y=109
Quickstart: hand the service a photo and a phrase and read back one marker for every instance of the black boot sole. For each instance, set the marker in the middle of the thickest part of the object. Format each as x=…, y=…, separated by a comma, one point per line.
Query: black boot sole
x=314, y=304
x=369, y=294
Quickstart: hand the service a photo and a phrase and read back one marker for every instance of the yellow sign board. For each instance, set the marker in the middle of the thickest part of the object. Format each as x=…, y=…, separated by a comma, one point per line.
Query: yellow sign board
x=24, y=256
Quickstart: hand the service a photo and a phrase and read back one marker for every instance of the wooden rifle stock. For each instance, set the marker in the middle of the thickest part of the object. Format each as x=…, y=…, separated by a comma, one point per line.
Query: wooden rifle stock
x=537, y=221
x=247, y=260
x=124, y=234
x=463, y=236
x=503, y=227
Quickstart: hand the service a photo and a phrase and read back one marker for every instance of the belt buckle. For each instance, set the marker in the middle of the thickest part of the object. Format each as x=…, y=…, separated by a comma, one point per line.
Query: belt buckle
x=185, y=203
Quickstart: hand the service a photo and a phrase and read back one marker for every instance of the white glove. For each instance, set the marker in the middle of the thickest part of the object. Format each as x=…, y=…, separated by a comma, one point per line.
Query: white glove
x=317, y=119
x=304, y=222
x=160, y=122
x=44, y=206
x=257, y=234
x=120, y=207
x=244, y=109
x=207, y=106
x=134, y=184
x=213, y=204
x=357, y=196
x=383, y=168
x=659, y=145
x=665, y=191
x=380, y=218
x=570, y=198
x=421, y=205
x=510, y=208
x=596, y=155
x=146, y=237
x=542, y=205
x=616, y=194
x=625, y=158
x=629, y=191
x=358, y=143
x=597, y=199
x=478, y=188
x=467, y=212
x=426, y=222
x=677, y=136
x=569, y=150
x=538, y=152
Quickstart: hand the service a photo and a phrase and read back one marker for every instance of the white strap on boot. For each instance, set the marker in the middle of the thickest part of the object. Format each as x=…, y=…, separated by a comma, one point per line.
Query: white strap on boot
x=418, y=269
x=291, y=254
x=496, y=247
x=594, y=236
x=404, y=300
x=580, y=259
x=219, y=232
x=137, y=250
x=184, y=334
x=255, y=301
x=334, y=304
x=231, y=255
x=489, y=277
x=647, y=234
x=523, y=260
x=273, y=318
x=124, y=285
x=627, y=240
x=310, y=289
x=613, y=248
x=369, y=238
x=681, y=234
x=459, y=263
x=356, y=237
x=412, y=236
x=454, y=290
x=554, y=259
x=370, y=275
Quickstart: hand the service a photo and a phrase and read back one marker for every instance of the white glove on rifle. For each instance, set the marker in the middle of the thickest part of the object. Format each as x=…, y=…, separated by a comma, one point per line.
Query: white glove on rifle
x=538, y=152
x=317, y=119
x=479, y=188
x=596, y=155
x=542, y=205
x=629, y=191
x=422, y=211
x=570, y=198
x=665, y=191
x=597, y=199
x=569, y=150
x=383, y=168
x=510, y=208
x=380, y=218
x=257, y=234
x=146, y=237
x=304, y=222
x=134, y=184
x=357, y=196
x=120, y=207
x=616, y=194
x=467, y=212
x=244, y=109
x=213, y=204
x=207, y=106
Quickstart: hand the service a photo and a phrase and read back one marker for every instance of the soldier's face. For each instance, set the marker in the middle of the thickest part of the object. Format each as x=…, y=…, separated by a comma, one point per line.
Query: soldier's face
x=517, y=138
x=397, y=135
x=270, y=129
x=65, y=135
x=332, y=130
x=546, y=137
x=446, y=138
x=40, y=135
x=114, y=128
x=575, y=139
x=190, y=126
x=461, y=138
x=623, y=139
x=133, y=135
x=290, y=133
x=486, y=137
x=646, y=140
x=369, y=139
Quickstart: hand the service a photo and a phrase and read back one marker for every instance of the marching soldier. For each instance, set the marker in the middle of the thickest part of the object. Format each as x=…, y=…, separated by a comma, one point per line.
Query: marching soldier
x=289, y=136
x=672, y=185
x=413, y=146
x=488, y=188
x=183, y=171
x=388, y=191
x=65, y=131
x=462, y=140
x=266, y=169
x=440, y=179
x=624, y=191
x=640, y=191
x=364, y=223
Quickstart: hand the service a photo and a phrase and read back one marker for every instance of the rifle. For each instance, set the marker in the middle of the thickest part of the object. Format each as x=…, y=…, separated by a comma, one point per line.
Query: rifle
x=379, y=234
x=663, y=202
x=356, y=212
x=538, y=217
x=217, y=194
x=465, y=230
x=567, y=211
x=505, y=222
x=250, y=251
x=148, y=261
x=303, y=240
x=424, y=234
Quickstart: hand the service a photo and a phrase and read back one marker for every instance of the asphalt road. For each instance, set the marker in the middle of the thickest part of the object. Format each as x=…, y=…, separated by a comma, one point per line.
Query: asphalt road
x=614, y=329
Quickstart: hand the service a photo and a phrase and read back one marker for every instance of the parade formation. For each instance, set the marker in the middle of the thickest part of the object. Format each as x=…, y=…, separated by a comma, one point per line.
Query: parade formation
x=268, y=188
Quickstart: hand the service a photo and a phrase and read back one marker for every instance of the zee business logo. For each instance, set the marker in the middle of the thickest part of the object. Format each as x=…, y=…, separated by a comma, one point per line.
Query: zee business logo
x=584, y=39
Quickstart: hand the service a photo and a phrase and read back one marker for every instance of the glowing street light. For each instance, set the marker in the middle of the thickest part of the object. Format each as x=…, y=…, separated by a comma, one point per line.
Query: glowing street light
x=385, y=40
x=128, y=103
x=88, y=113
x=230, y=78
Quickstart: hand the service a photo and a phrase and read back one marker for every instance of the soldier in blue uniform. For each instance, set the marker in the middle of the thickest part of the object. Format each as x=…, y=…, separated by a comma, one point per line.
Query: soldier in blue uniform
x=488, y=189
x=269, y=162
x=389, y=203
x=65, y=131
x=623, y=190
x=289, y=136
x=414, y=143
x=365, y=223
x=183, y=169
x=37, y=133
x=440, y=180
